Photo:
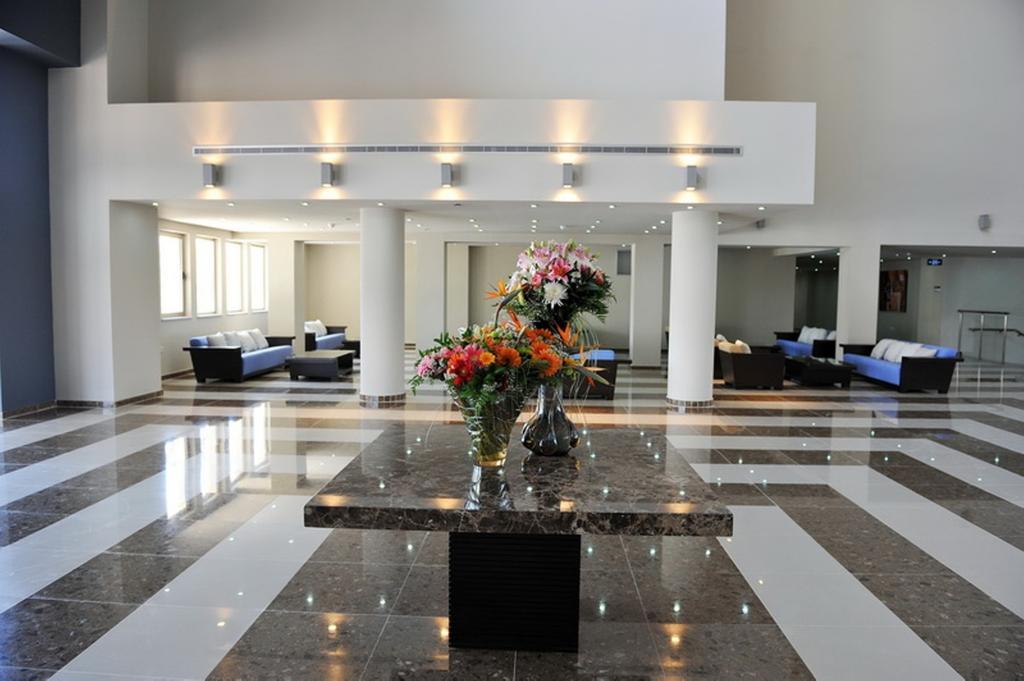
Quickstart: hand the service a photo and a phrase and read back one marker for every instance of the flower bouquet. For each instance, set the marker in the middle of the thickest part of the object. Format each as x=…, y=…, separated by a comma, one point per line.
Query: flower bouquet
x=554, y=286
x=490, y=372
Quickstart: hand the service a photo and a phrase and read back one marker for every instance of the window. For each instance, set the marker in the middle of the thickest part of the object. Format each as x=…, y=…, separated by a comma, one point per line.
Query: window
x=206, y=275
x=172, y=275
x=257, y=277
x=234, y=281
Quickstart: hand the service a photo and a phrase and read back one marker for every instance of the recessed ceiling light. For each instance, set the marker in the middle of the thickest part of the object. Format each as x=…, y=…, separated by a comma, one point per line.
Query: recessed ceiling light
x=689, y=208
x=305, y=224
x=748, y=248
x=654, y=226
x=623, y=245
x=231, y=204
x=418, y=224
x=563, y=227
x=533, y=205
x=408, y=219
x=495, y=243
x=881, y=260
x=993, y=251
x=305, y=203
x=611, y=205
x=760, y=207
x=719, y=222
x=661, y=221
x=597, y=222
x=155, y=203
x=472, y=219
x=380, y=203
x=943, y=255
x=647, y=231
x=287, y=219
x=533, y=220
x=908, y=257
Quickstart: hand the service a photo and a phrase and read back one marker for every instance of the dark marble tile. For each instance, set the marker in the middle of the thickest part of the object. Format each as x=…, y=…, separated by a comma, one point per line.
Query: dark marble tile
x=434, y=550
x=117, y=578
x=602, y=552
x=425, y=592
x=938, y=599
x=194, y=532
x=727, y=651
x=417, y=648
x=741, y=494
x=690, y=554
x=789, y=496
x=862, y=544
x=361, y=588
x=62, y=499
x=671, y=595
x=16, y=525
x=608, y=650
x=287, y=646
x=372, y=546
x=979, y=653
x=609, y=596
x=22, y=674
x=45, y=634
x=754, y=456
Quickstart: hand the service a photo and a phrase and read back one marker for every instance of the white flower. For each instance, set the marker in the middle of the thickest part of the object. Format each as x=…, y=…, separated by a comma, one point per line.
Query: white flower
x=554, y=293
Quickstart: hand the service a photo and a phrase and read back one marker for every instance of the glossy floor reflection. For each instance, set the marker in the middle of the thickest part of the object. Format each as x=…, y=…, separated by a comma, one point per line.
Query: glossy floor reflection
x=878, y=536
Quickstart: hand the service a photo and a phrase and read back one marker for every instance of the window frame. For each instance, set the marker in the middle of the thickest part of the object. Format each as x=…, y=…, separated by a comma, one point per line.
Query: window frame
x=196, y=239
x=266, y=288
x=243, y=278
x=186, y=297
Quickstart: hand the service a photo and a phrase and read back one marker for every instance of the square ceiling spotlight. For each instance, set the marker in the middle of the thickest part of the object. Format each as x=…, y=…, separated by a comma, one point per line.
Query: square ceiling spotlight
x=447, y=174
x=568, y=175
x=328, y=175
x=211, y=175
x=692, y=178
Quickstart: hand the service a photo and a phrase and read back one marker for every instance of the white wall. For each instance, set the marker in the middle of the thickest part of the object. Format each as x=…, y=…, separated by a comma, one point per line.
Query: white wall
x=754, y=297
x=317, y=49
x=919, y=107
x=457, y=286
x=135, y=299
x=174, y=333
x=332, y=286
x=488, y=264
x=815, y=298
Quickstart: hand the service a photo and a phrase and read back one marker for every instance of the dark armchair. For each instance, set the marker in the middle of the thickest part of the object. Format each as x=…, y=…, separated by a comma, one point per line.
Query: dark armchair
x=764, y=367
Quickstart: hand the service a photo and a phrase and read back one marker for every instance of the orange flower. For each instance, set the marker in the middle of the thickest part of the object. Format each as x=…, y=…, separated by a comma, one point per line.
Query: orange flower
x=567, y=335
x=516, y=324
x=486, y=358
x=500, y=290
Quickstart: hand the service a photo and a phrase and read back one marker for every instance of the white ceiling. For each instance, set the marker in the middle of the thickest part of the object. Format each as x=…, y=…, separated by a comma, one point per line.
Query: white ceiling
x=477, y=217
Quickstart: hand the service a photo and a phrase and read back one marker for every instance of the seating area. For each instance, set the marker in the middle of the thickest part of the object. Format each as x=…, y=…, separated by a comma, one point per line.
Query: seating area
x=807, y=342
x=237, y=355
x=907, y=366
x=744, y=366
x=319, y=336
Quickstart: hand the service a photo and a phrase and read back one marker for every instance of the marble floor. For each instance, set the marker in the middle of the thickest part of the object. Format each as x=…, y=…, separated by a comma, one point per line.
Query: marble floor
x=877, y=536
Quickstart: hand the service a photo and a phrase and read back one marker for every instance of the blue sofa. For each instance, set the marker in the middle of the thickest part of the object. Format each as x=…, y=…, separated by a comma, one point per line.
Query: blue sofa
x=229, y=363
x=334, y=339
x=787, y=342
x=910, y=373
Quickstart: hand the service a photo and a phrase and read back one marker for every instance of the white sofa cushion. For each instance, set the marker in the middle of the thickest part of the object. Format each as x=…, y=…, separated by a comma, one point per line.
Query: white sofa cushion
x=309, y=327
x=922, y=352
x=831, y=335
x=231, y=338
x=878, y=352
x=894, y=352
x=216, y=340
x=321, y=328
x=261, y=340
x=741, y=347
x=246, y=341
x=719, y=337
x=804, y=336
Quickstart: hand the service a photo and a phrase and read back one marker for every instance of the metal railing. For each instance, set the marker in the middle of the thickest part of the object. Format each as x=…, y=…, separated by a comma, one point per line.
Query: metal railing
x=981, y=328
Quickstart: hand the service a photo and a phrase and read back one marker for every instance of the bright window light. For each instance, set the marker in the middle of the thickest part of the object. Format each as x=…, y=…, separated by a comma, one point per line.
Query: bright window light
x=172, y=274
x=206, y=275
x=257, y=278
x=234, y=281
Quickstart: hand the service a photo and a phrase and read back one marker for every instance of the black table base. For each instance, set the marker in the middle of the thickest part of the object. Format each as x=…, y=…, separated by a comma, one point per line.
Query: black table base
x=514, y=591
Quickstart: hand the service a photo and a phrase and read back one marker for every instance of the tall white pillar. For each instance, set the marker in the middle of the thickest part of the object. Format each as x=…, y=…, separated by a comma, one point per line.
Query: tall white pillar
x=286, y=288
x=382, y=307
x=430, y=288
x=692, y=307
x=857, y=304
x=645, y=328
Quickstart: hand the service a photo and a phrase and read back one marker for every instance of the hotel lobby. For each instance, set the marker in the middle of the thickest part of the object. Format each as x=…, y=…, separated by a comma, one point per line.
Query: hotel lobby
x=368, y=339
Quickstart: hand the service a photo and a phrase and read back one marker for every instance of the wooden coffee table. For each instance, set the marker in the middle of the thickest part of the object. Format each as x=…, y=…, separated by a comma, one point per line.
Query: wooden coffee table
x=817, y=371
x=321, y=364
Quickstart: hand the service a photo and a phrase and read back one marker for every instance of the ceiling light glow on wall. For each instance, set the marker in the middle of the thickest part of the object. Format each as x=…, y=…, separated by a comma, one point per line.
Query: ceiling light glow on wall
x=447, y=175
x=692, y=178
x=211, y=175
x=568, y=176
x=328, y=175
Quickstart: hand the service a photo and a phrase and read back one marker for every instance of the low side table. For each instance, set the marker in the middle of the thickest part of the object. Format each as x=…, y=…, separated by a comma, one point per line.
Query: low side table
x=320, y=364
x=815, y=371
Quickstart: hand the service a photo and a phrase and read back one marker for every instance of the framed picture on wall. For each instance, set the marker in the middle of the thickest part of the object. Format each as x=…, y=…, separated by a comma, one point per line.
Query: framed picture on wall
x=892, y=291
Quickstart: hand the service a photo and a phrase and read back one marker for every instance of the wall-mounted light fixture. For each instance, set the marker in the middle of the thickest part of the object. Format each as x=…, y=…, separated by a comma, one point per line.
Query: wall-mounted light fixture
x=447, y=175
x=328, y=175
x=211, y=175
x=692, y=178
x=568, y=175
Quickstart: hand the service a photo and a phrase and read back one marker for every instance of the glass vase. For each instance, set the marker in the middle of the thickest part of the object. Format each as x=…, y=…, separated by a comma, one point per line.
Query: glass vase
x=550, y=431
x=489, y=426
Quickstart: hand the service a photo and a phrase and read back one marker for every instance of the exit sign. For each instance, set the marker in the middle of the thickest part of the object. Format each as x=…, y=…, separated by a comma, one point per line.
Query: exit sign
x=934, y=262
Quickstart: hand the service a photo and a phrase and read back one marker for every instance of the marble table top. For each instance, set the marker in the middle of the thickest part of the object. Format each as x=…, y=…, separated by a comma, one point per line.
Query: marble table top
x=618, y=481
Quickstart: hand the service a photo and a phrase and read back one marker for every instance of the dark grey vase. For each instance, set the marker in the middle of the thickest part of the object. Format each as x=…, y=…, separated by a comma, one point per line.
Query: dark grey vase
x=550, y=432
